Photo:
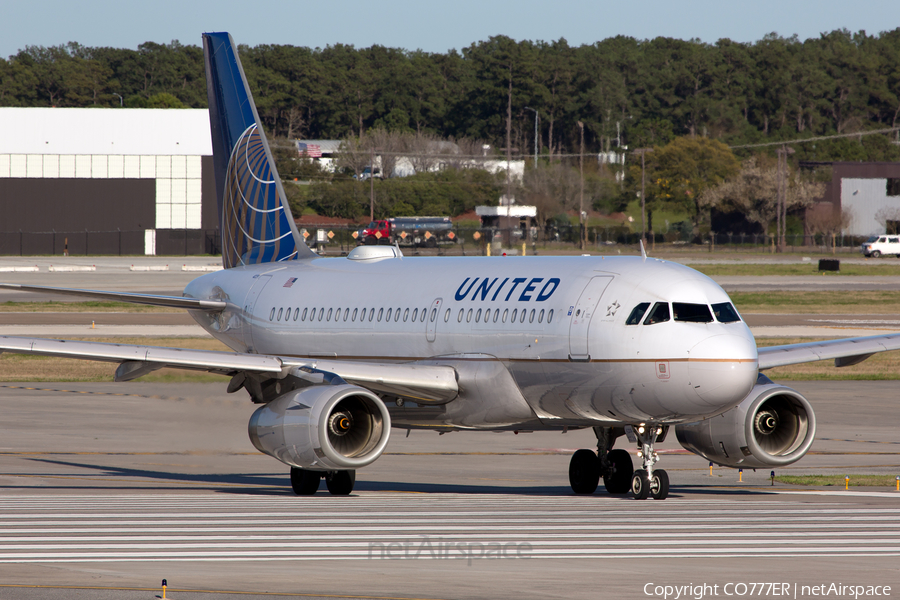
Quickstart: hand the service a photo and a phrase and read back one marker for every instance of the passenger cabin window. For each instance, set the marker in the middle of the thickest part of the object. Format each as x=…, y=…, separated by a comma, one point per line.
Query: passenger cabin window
x=658, y=314
x=637, y=314
x=550, y=316
x=691, y=313
x=725, y=313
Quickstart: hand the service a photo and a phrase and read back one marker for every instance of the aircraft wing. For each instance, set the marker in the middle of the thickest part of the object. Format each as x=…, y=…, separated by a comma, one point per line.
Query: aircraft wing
x=434, y=384
x=170, y=301
x=845, y=352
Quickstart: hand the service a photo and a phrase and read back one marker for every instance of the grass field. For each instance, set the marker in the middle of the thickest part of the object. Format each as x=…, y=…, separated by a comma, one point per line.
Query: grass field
x=862, y=302
x=90, y=306
x=22, y=367
x=856, y=480
x=879, y=268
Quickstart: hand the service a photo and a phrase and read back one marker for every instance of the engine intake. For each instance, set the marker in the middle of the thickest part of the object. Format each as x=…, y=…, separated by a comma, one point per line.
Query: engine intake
x=773, y=426
x=324, y=428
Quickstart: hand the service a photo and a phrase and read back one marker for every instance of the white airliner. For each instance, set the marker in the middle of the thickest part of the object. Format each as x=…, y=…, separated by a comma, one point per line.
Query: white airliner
x=339, y=350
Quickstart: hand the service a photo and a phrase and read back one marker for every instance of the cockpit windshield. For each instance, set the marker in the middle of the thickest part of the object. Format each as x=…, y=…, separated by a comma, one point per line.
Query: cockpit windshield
x=658, y=314
x=637, y=314
x=691, y=313
x=725, y=313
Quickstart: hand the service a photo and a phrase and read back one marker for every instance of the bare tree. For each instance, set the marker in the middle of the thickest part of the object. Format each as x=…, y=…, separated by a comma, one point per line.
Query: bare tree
x=387, y=146
x=354, y=155
x=888, y=217
x=422, y=149
x=823, y=218
x=552, y=189
x=754, y=193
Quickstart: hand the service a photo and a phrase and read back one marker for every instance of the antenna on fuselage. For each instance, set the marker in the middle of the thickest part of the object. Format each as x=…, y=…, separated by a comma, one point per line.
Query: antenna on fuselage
x=643, y=252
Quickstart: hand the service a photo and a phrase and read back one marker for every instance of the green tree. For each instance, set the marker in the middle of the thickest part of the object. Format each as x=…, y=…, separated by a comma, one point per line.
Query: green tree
x=681, y=171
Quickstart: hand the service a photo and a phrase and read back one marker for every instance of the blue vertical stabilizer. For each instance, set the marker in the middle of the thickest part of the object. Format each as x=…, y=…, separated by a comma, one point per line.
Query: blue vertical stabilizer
x=255, y=221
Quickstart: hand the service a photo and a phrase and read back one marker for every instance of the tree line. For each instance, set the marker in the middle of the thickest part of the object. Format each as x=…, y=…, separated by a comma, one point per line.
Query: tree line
x=626, y=92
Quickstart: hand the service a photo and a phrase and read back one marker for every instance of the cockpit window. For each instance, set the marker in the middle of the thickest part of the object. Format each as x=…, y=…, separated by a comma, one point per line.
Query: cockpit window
x=658, y=314
x=635, y=317
x=691, y=313
x=725, y=313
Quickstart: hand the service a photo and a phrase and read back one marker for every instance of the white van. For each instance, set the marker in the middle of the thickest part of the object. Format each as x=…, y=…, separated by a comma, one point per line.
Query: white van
x=877, y=245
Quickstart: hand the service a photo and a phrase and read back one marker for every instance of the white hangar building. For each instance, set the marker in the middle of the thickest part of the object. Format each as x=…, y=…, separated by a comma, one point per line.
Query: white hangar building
x=107, y=181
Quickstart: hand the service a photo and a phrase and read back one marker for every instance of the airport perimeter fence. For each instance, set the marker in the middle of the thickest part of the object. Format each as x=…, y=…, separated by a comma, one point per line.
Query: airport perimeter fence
x=475, y=241
x=472, y=241
x=170, y=242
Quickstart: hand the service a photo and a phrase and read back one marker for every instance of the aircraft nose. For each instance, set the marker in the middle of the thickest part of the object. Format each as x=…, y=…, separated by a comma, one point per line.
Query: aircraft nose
x=723, y=368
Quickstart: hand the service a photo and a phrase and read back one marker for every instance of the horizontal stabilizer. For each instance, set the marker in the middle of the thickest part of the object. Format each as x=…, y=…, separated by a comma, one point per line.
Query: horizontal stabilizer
x=168, y=301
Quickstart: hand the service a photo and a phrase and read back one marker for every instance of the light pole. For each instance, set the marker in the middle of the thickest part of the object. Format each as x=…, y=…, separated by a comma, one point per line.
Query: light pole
x=121, y=100
x=643, y=152
x=537, y=120
x=581, y=201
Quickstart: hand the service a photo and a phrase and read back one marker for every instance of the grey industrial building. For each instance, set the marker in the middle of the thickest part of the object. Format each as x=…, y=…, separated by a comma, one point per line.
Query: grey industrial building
x=106, y=181
x=868, y=192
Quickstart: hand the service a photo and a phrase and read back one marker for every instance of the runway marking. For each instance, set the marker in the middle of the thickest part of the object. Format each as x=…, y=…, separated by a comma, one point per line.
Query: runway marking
x=206, y=528
x=171, y=590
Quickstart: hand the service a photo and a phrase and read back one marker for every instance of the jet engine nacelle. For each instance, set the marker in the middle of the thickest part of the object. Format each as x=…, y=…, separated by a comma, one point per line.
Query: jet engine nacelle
x=323, y=428
x=773, y=426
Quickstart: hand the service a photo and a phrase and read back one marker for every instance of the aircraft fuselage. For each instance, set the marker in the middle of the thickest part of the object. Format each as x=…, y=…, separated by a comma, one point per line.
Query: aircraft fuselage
x=544, y=337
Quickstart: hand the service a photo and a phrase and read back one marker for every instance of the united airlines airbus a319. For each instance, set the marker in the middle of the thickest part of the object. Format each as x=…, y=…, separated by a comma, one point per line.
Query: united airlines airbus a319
x=337, y=356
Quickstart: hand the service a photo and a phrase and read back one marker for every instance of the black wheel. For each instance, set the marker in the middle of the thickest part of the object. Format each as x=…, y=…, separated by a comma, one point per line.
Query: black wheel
x=618, y=480
x=340, y=483
x=659, y=485
x=584, y=472
x=304, y=482
x=876, y=254
x=431, y=242
x=640, y=485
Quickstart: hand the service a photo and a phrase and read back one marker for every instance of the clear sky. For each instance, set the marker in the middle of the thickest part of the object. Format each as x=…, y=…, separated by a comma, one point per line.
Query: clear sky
x=430, y=25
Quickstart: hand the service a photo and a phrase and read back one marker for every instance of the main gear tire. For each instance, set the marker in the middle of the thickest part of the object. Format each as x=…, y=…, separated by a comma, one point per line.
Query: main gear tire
x=584, y=472
x=305, y=482
x=618, y=479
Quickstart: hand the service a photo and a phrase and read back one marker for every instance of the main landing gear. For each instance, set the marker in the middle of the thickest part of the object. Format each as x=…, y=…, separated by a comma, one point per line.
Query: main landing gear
x=616, y=468
x=306, y=483
x=586, y=467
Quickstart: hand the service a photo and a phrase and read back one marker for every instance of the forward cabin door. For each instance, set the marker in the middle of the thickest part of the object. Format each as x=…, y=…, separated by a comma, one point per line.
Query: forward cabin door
x=581, y=315
x=431, y=320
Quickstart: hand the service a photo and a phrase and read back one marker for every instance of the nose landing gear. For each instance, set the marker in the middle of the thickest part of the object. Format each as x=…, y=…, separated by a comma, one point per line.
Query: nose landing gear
x=648, y=482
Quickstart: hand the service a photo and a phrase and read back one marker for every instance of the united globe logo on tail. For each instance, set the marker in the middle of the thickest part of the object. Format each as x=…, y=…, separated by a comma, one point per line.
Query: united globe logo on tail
x=254, y=220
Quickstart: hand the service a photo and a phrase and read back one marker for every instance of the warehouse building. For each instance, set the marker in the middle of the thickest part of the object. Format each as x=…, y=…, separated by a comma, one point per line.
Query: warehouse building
x=106, y=181
x=868, y=193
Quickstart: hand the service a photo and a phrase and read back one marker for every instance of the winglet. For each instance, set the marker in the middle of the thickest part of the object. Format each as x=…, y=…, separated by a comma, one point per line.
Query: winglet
x=255, y=222
x=643, y=252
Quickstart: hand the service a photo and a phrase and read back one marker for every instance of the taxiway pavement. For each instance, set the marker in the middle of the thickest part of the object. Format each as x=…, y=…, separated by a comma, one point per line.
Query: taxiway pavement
x=106, y=489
